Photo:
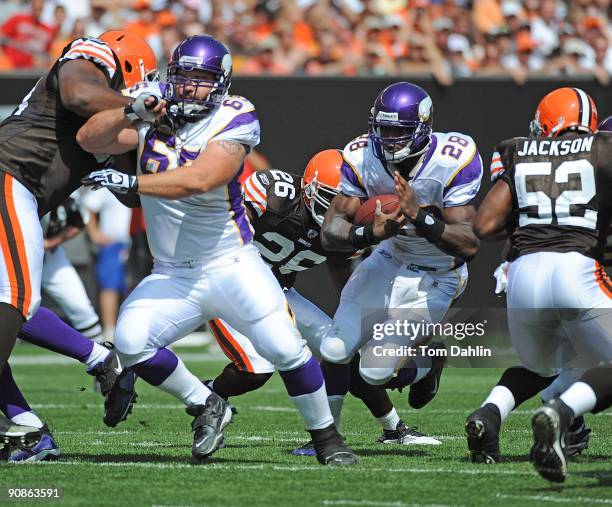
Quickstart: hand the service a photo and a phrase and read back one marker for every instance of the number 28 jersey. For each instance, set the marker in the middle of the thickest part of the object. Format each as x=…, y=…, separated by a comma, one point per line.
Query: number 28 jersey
x=285, y=233
x=561, y=192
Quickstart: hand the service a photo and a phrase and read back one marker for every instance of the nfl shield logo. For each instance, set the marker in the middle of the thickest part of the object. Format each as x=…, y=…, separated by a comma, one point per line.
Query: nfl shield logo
x=312, y=233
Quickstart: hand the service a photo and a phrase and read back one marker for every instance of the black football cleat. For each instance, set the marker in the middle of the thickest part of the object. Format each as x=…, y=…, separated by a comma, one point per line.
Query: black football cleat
x=405, y=435
x=330, y=447
x=107, y=371
x=119, y=401
x=577, y=439
x=482, y=430
x=209, y=421
x=550, y=424
x=425, y=390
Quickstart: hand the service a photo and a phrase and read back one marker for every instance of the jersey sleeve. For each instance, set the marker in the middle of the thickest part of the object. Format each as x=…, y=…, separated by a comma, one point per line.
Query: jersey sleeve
x=239, y=122
x=256, y=192
x=465, y=182
x=93, y=50
x=351, y=178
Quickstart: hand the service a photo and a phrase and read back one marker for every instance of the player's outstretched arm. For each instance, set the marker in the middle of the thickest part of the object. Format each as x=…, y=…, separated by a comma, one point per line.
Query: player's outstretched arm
x=84, y=89
x=491, y=220
x=111, y=132
x=215, y=166
x=453, y=234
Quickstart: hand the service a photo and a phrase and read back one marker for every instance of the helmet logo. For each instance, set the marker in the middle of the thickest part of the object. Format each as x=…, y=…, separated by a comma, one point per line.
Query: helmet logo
x=425, y=107
x=191, y=60
x=226, y=63
x=383, y=115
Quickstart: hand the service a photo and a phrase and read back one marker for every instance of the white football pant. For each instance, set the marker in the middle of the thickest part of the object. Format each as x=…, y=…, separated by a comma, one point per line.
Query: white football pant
x=178, y=298
x=559, y=311
x=380, y=290
x=311, y=321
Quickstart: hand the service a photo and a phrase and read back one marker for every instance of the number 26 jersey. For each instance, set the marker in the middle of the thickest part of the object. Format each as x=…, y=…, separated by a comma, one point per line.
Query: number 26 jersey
x=561, y=192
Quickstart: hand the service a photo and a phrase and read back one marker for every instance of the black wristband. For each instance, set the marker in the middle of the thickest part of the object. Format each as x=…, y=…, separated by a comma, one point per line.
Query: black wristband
x=361, y=236
x=428, y=226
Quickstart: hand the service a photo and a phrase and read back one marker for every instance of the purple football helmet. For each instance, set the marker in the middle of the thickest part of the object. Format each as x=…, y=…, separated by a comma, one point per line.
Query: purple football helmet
x=203, y=53
x=606, y=125
x=401, y=122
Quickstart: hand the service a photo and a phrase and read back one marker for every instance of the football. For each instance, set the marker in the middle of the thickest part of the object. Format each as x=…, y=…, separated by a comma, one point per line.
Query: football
x=365, y=214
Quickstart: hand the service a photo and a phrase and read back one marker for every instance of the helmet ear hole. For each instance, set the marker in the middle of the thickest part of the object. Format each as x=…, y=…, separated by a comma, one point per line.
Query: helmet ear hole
x=128, y=67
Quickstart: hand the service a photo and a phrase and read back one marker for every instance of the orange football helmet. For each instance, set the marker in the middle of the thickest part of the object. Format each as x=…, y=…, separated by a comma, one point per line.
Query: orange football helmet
x=321, y=182
x=562, y=109
x=137, y=59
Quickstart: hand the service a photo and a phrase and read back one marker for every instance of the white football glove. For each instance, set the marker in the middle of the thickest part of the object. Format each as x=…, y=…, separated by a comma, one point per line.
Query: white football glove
x=138, y=110
x=501, y=276
x=114, y=180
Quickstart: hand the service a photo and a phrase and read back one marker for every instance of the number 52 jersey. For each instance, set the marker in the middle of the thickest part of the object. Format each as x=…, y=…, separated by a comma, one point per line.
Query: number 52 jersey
x=561, y=192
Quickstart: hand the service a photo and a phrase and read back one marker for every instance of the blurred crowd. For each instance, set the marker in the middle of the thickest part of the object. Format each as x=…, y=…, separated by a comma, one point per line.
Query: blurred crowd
x=446, y=38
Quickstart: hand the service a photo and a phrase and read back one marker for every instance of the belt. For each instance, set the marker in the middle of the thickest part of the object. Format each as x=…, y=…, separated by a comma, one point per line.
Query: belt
x=458, y=263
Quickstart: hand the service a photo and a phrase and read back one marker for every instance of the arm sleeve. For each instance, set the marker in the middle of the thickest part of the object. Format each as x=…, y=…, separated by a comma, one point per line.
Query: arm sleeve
x=95, y=51
x=256, y=193
x=466, y=183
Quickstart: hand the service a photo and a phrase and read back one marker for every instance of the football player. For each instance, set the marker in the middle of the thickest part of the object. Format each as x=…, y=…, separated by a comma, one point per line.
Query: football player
x=286, y=212
x=199, y=234
x=552, y=198
x=41, y=163
x=554, y=424
x=419, y=263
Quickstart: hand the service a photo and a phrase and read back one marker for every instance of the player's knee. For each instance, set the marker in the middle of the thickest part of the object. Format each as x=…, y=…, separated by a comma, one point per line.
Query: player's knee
x=376, y=376
x=334, y=350
x=289, y=356
x=34, y=304
x=131, y=337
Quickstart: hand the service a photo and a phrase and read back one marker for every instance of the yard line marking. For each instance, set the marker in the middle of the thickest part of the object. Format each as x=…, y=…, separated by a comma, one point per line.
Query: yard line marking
x=282, y=468
x=269, y=408
x=547, y=498
x=364, y=502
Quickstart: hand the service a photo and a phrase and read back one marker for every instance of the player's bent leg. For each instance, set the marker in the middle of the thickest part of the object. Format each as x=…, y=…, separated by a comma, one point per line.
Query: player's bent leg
x=233, y=381
x=312, y=322
x=33, y=444
x=21, y=259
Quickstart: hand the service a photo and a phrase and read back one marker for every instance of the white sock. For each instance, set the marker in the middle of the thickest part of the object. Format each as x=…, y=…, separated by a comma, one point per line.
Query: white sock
x=580, y=397
x=314, y=409
x=335, y=402
x=389, y=421
x=109, y=334
x=185, y=386
x=98, y=354
x=28, y=419
x=503, y=399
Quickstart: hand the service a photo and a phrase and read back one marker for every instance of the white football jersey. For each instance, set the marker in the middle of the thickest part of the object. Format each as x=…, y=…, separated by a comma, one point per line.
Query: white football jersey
x=202, y=226
x=449, y=174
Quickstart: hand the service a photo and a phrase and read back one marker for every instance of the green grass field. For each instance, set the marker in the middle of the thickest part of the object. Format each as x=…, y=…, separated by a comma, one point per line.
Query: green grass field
x=146, y=460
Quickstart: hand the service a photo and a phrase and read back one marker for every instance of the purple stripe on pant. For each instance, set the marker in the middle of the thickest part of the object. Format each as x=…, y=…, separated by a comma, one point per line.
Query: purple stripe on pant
x=47, y=330
x=306, y=379
x=158, y=368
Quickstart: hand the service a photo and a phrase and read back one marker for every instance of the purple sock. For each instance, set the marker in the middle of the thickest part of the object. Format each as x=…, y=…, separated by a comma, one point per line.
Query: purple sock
x=12, y=402
x=306, y=379
x=337, y=378
x=158, y=368
x=405, y=376
x=47, y=330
